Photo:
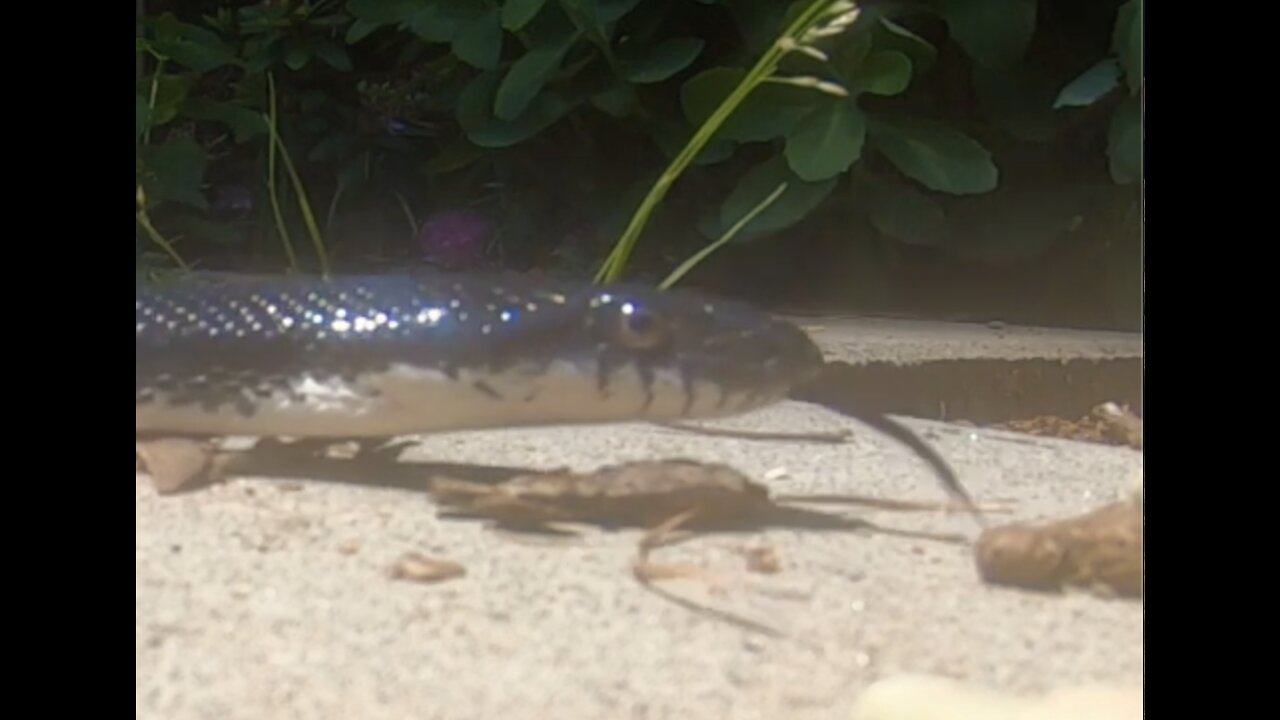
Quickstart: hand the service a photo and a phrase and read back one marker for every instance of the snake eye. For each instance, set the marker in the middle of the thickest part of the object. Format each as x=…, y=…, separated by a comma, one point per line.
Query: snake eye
x=640, y=329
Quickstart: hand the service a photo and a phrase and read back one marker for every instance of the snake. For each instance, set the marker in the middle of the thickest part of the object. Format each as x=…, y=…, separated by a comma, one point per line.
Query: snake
x=427, y=351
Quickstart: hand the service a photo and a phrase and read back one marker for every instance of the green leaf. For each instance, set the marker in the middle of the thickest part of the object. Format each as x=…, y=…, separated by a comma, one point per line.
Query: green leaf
x=171, y=93
x=659, y=62
x=334, y=55
x=611, y=11
x=619, y=100
x=1126, y=42
x=902, y=212
x=850, y=52
x=173, y=172
x=702, y=94
x=438, y=21
x=1091, y=85
x=361, y=29
x=141, y=116
x=1124, y=143
x=883, y=72
x=889, y=35
x=759, y=23
x=474, y=114
x=384, y=12
x=596, y=17
x=550, y=27
x=479, y=42
x=827, y=141
x=433, y=26
x=528, y=76
x=296, y=57
x=474, y=107
x=995, y=33
x=935, y=155
x=770, y=111
x=245, y=122
x=260, y=54
x=517, y=13
x=546, y=110
x=797, y=201
x=671, y=139
x=195, y=47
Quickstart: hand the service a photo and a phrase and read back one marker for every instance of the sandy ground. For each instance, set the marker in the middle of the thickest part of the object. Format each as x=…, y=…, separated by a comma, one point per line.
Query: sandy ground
x=268, y=599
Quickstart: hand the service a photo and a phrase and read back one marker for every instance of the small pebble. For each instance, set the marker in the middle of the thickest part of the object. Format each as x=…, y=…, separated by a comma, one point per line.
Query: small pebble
x=421, y=568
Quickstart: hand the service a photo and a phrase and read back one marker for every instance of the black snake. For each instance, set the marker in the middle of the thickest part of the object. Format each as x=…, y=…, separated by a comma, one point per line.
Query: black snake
x=378, y=356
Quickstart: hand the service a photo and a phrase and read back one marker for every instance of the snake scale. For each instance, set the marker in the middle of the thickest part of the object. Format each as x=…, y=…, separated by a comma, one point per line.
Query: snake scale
x=385, y=355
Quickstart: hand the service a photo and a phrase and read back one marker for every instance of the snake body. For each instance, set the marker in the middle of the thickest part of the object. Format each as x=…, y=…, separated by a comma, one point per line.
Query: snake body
x=386, y=355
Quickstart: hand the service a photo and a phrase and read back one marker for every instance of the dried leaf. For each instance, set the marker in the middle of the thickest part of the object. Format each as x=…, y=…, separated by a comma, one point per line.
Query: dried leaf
x=1099, y=551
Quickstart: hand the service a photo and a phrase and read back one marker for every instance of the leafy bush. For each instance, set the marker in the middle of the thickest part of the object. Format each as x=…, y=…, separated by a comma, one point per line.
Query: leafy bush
x=955, y=124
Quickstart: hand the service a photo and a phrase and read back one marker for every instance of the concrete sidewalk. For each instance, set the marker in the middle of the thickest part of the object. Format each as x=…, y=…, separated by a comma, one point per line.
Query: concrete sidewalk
x=866, y=339
x=269, y=599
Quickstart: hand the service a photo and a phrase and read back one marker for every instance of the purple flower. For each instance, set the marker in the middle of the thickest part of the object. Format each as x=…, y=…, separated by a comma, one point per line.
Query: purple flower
x=396, y=127
x=455, y=239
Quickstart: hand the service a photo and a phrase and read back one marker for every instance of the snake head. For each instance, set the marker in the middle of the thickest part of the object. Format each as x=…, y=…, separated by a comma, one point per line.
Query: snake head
x=662, y=355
